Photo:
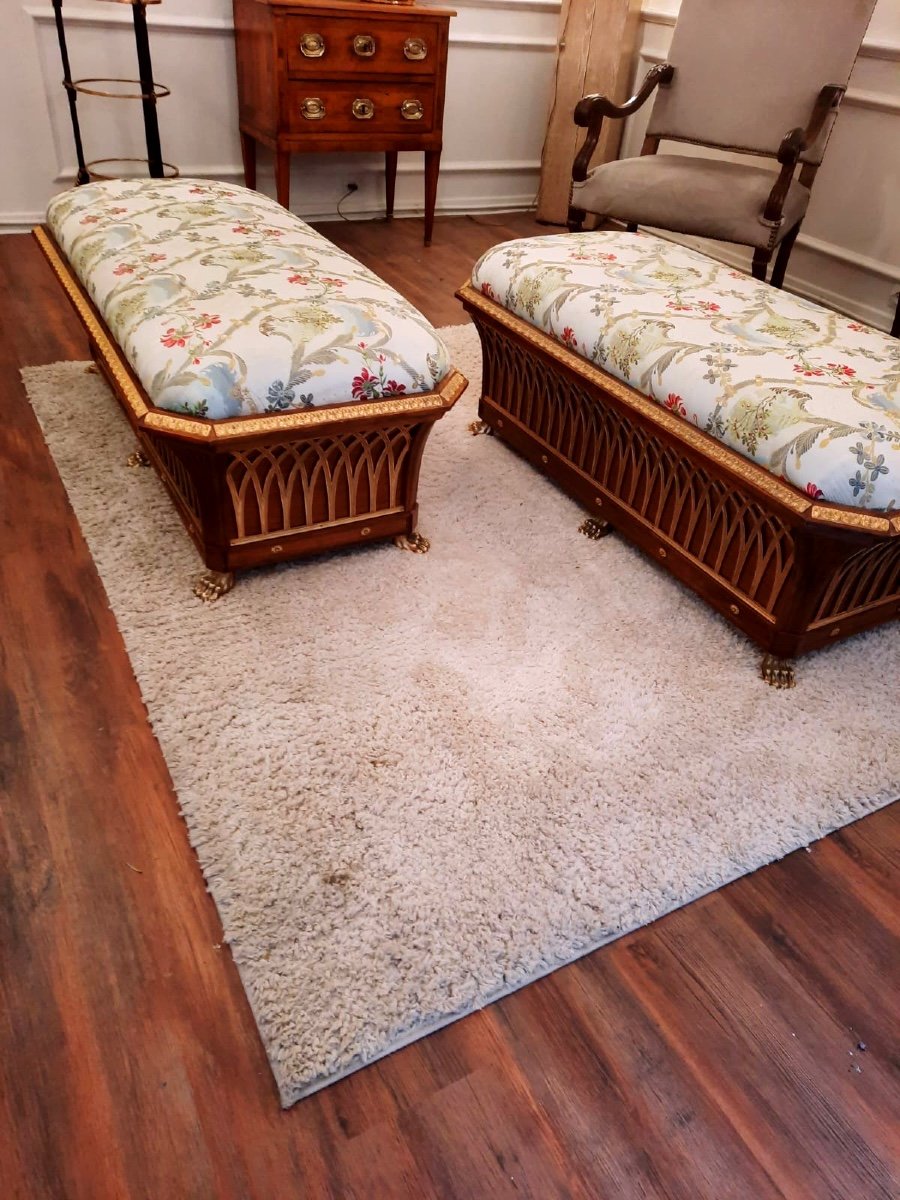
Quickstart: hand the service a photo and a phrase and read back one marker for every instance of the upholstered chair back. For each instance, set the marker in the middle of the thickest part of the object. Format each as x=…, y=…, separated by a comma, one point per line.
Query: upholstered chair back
x=747, y=71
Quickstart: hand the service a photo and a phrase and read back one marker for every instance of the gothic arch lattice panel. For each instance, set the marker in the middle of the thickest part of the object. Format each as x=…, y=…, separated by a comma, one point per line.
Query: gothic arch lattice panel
x=714, y=522
x=871, y=576
x=280, y=488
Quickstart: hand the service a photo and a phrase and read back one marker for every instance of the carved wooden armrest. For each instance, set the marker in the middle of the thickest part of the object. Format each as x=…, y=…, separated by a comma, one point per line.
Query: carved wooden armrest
x=590, y=111
x=794, y=142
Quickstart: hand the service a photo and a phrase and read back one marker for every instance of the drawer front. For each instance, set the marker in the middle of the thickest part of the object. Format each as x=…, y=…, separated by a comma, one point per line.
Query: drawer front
x=328, y=46
x=358, y=108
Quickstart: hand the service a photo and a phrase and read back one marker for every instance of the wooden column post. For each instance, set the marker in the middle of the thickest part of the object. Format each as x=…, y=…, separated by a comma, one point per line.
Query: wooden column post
x=597, y=45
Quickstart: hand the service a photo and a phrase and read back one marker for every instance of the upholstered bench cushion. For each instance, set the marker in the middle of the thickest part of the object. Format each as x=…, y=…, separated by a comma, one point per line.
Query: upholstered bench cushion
x=804, y=392
x=225, y=304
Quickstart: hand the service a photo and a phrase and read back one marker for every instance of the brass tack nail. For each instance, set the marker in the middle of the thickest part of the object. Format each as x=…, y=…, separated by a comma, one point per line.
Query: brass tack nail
x=598, y=500
x=365, y=530
x=663, y=552
x=277, y=549
x=734, y=609
x=544, y=458
x=835, y=631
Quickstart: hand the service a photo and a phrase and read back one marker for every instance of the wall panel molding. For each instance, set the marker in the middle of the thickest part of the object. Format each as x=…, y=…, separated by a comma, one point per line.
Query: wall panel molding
x=158, y=22
x=176, y=23
x=871, y=47
x=548, y=6
x=854, y=97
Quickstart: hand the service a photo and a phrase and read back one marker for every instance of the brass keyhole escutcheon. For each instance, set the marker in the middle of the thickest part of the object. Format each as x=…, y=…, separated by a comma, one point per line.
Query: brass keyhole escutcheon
x=363, y=110
x=313, y=108
x=312, y=45
x=412, y=110
x=364, y=45
x=415, y=49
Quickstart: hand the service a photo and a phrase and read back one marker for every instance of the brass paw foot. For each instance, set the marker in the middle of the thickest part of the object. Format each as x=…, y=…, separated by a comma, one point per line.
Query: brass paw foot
x=777, y=672
x=137, y=459
x=414, y=542
x=213, y=584
x=595, y=528
x=476, y=427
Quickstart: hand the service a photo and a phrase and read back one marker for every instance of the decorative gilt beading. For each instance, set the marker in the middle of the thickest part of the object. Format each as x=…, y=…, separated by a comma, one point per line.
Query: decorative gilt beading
x=677, y=428
x=106, y=347
x=445, y=395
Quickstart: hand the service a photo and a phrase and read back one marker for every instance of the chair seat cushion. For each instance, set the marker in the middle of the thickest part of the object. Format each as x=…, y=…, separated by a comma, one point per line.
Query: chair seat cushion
x=704, y=196
x=806, y=393
x=225, y=304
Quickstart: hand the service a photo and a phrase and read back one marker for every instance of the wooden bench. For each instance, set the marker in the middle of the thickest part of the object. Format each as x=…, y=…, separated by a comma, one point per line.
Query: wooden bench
x=744, y=438
x=283, y=393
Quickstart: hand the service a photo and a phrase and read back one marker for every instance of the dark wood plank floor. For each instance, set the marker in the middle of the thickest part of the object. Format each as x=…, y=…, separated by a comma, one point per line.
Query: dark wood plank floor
x=713, y=1056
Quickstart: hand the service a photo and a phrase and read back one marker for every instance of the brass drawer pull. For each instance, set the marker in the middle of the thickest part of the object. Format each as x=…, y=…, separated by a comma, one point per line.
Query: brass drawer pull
x=313, y=108
x=363, y=110
x=364, y=45
x=312, y=45
x=415, y=49
x=412, y=110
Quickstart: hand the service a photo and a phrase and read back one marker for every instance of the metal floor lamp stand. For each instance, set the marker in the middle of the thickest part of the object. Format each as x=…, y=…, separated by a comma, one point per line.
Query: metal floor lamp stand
x=150, y=92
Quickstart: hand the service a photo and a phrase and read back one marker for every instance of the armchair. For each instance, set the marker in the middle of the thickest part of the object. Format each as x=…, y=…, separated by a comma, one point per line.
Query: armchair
x=738, y=75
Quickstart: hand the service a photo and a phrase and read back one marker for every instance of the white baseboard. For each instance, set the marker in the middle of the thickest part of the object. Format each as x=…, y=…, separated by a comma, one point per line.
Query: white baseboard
x=24, y=222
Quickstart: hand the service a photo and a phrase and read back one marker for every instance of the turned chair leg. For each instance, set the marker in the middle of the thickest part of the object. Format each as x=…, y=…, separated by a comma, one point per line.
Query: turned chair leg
x=760, y=264
x=781, y=258
x=576, y=219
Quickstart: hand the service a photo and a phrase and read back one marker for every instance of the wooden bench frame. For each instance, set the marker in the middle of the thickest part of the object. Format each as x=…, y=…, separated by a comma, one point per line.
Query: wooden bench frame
x=267, y=488
x=792, y=573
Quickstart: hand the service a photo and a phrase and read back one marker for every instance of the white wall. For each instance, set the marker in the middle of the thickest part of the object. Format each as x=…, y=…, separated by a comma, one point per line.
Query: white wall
x=848, y=254
x=502, y=57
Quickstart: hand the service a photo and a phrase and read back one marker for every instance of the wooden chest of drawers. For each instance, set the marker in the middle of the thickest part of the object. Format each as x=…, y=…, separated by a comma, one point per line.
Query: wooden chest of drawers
x=342, y=77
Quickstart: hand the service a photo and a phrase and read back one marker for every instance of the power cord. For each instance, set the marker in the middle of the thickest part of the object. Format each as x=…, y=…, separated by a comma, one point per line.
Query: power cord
x=351, y=188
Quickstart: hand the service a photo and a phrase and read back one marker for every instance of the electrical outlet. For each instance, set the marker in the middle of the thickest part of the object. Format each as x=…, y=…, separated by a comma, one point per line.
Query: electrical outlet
x=352, y=187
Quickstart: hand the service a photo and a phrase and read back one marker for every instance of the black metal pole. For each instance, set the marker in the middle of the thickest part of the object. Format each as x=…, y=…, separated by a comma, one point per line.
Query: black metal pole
x=145, y=71
x=82, y=176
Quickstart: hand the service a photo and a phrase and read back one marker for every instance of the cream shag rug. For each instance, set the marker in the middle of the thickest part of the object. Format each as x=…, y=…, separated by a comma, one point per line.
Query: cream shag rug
x=417, y=783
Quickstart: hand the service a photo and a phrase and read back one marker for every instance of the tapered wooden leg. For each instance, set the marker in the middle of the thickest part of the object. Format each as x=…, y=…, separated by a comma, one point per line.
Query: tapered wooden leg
x=781, y=258
x=248, y=154
x=390, y=180
x=432, y=169
x=760, y=263
x=283, y=177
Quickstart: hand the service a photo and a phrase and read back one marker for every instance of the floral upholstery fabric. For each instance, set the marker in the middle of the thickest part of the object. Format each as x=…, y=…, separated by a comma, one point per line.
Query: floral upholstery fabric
x=225, y=304
x=804, y=392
